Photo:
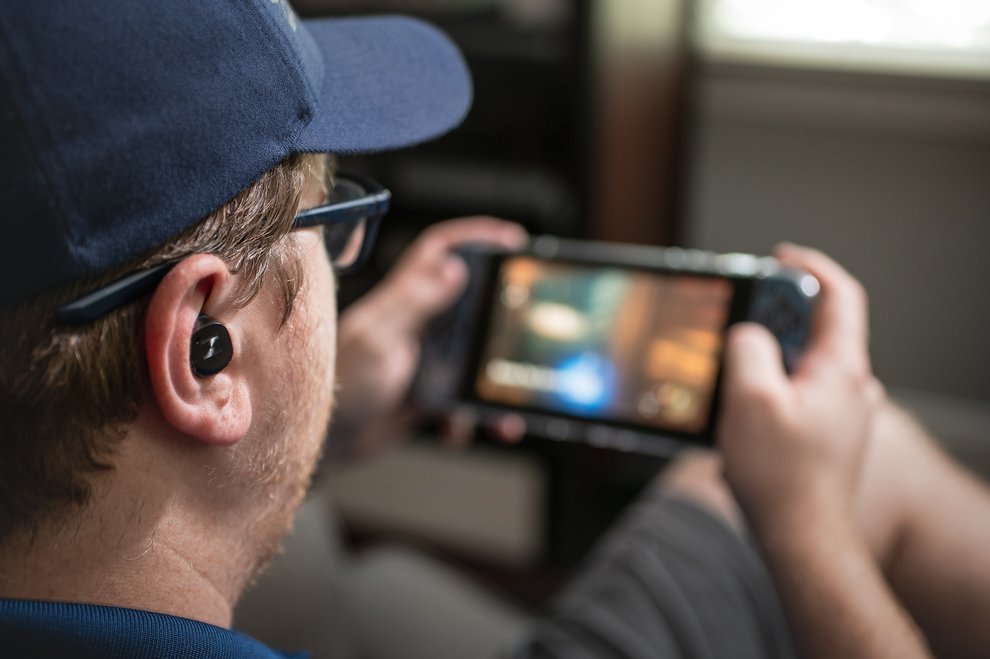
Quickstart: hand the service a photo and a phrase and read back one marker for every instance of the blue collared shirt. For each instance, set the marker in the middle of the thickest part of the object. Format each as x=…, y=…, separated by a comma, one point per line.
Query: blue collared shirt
x=54, y=629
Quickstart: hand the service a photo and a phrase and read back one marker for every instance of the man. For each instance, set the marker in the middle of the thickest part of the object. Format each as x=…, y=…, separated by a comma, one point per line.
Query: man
x=168, y=379
x=159, y=432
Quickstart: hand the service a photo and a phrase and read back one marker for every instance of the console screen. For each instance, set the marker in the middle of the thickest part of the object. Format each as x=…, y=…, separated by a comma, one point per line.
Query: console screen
x=628, y=346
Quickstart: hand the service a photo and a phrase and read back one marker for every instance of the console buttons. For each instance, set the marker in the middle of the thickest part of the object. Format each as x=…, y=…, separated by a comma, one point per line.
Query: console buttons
x=784, y=307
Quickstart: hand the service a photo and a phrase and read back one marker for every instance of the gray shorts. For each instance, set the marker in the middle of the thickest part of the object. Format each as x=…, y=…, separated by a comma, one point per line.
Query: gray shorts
x=671, y=580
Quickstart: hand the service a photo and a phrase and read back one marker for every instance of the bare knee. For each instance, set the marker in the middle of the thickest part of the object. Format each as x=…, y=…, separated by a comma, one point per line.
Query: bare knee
x=697, y=474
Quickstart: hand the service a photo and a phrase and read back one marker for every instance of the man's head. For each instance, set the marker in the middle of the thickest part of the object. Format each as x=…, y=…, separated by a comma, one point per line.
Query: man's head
x=71, y=391
x=129, y=122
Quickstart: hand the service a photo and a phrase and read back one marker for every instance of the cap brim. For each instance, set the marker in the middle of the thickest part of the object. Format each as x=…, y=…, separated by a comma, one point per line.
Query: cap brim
x=389, y=82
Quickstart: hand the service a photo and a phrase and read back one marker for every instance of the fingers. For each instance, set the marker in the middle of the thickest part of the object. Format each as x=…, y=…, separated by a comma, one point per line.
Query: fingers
x=509, y=428
x=460, y=425
x=753, y=384
x=841, y=326
x=444, y=236
x=755, y=392
x=428, y=277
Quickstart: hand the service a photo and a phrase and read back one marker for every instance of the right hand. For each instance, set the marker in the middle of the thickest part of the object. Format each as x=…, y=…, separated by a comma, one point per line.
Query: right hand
x=793, y=446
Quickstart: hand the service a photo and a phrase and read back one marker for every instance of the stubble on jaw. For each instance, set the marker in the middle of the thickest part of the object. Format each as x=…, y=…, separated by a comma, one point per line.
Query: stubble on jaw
x=282, y=461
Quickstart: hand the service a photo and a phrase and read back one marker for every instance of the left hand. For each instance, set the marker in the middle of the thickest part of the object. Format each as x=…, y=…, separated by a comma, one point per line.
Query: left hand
x=793, y=445
x=379, y=336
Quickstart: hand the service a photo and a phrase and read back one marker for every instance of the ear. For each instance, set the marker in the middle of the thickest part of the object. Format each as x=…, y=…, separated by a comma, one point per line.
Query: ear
x=217, y=409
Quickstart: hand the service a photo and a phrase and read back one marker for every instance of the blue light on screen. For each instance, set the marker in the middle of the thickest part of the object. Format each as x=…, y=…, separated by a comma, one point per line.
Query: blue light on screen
x=586, y=382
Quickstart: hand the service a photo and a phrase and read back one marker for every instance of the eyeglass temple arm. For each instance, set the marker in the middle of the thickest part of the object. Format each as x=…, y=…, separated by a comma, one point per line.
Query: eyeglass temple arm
x=99, y=303
x=373, y=205
x=127, y=289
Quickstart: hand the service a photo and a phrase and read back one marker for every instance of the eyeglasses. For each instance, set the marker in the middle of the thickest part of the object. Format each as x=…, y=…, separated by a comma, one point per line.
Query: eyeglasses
x=349, y=220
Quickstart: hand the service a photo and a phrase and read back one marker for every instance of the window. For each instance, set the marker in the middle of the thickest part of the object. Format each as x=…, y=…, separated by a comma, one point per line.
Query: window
x=940, y=37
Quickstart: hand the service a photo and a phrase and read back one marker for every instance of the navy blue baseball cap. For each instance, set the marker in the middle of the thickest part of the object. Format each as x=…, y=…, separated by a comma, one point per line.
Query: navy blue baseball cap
x=124, y=122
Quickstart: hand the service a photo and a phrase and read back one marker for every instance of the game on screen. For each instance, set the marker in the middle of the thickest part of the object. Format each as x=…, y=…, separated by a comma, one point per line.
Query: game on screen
x=628, y=346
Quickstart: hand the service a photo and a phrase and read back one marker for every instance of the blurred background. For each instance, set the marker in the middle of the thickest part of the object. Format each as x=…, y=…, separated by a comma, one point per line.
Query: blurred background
x=860, y=127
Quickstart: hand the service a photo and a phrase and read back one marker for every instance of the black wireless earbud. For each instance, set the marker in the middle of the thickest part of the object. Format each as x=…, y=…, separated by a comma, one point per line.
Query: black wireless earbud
x=210, y=349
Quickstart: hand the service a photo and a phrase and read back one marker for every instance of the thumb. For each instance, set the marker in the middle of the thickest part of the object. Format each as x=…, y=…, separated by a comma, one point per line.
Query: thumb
x=753, y=364
x=433, y=293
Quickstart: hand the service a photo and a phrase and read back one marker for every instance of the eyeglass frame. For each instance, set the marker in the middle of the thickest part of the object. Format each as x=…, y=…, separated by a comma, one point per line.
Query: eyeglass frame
x=372, y=207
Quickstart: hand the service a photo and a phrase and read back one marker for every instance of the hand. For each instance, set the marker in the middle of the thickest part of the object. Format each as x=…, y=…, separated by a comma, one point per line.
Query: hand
x=793, y=450
x=379, y=336
x=793, y=447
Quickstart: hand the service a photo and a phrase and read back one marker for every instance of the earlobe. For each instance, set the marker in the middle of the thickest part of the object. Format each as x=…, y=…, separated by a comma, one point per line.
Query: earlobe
x=214, y=409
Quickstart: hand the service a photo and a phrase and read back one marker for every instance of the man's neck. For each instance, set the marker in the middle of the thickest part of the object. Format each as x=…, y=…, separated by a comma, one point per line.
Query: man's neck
x=142, y=543
x=156, y=578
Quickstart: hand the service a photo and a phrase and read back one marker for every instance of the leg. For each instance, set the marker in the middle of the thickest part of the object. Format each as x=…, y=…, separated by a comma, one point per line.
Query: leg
x=697, y=475
x=670, y=578
x=927, y=520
